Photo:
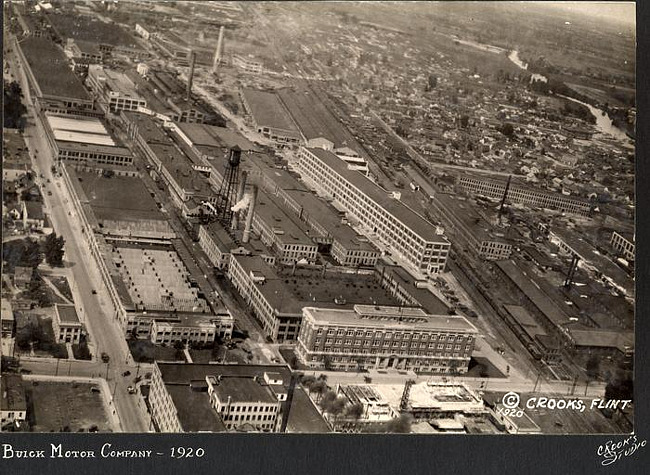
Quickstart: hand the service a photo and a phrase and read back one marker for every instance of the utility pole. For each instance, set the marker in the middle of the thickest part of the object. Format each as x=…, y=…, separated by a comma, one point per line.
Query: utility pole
x=539, y=375
x=573, y=387
x=107, y=363
x=58, y=360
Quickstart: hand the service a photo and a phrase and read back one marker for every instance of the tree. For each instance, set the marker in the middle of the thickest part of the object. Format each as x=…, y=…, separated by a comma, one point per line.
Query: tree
x=593, y=367
x=508, y=130
x=307, y=381
x=318, y=387
x=53, y=249
x=621, y=387
x=337, y=406
x=179, y=345
x=327, y=363
x=327, y=400
x=355, y=411
x=400, y=424
x=14, y=109
x=32, y=255
x=432, y=82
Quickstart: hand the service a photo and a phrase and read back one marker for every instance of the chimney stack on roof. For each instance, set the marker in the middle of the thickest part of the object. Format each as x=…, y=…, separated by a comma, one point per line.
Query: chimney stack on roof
x=219, y=52
x=190, y=78
x=249, y=217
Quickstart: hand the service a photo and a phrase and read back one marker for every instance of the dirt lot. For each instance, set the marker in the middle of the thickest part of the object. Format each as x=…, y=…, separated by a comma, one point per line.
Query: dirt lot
x=55, y=406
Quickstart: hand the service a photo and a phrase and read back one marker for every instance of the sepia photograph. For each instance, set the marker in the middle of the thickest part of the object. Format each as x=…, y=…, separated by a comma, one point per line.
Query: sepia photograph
x=318, y=218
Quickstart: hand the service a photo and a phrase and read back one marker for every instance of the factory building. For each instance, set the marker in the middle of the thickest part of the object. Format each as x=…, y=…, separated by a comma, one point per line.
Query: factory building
x=525, y=195
x=218, y=397
x=115, y=90
x=408, y=235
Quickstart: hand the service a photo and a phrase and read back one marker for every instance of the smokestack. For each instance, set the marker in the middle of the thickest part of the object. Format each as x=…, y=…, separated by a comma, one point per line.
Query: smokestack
x=191, y=75
x=219, y=52
x=240, y=196
x=249, y=217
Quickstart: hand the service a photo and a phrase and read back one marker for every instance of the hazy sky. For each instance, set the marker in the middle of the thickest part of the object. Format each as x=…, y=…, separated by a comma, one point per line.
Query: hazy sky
x=624, y=12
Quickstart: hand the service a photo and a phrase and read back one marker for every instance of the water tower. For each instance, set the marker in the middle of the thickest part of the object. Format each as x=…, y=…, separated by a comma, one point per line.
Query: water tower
x=228, y=191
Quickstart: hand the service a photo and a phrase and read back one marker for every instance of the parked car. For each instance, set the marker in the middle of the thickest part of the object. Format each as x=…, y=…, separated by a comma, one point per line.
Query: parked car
x=126, y=373
x=131, y=390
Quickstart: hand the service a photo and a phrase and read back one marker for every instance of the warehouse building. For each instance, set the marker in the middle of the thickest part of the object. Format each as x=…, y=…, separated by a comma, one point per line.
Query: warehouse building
x=270, y=118
x=57, y=87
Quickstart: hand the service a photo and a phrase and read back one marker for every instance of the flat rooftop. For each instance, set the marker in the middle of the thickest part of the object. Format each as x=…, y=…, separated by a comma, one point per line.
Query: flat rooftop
x=288, y=293
x=315, y=120
x=268, y=111
x=589, y=253
x=194, y=410
x=119, y=198
x=157, y=279
x=603, y=338
x=213, y=136
x=425, y=297
x=90, y=28
x=243, y=389
x=87, y=130
x=116, y=81
x=325, y=215
x=396, y=208
x=287, y=230
x=185, y=373
x=51, y=70
x=67, y=313
x=467, y=214
x=525, y=320
x=517, y=184
x=220, y=235
x=391, y=317
x=542, y=301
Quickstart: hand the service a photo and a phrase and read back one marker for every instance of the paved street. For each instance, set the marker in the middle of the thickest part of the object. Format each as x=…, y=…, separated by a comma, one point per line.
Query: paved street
x=105, y=334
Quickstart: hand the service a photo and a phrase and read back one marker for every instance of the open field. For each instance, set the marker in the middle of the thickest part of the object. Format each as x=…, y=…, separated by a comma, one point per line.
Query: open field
x=57, y=406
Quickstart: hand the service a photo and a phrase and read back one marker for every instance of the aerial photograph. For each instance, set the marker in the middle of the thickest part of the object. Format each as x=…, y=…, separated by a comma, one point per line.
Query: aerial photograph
x=318, y=217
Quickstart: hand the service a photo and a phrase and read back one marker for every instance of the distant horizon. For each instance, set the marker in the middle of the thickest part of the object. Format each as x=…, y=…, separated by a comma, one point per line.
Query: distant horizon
x=619, y=12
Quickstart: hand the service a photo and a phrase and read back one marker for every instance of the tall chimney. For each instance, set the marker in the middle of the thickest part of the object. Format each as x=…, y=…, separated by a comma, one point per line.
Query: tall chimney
x=219, y=52
x=240, y=196
x=191, y=75
x=249, y=217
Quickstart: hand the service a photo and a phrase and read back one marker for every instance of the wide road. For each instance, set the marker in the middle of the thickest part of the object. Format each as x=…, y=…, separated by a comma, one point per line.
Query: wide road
x=93, y=310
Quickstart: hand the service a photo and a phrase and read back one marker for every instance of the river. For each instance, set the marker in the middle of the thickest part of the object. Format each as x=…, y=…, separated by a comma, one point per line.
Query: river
x=514, y=57
x=604, y=123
